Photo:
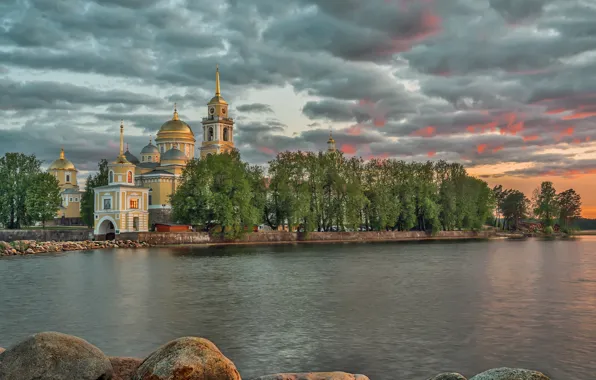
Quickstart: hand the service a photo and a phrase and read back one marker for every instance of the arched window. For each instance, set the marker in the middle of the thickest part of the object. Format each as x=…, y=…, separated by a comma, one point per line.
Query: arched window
x=143, y=158
x=162, y=148
x=150, y=196
x=226, y=137
x=67, y=177
x=149, y=158
x=111, y=176
x=210, y=134
x=129, y=177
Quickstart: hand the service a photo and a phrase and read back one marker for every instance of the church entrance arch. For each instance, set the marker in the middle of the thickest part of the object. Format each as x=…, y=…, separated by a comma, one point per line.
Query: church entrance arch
x=106, y=229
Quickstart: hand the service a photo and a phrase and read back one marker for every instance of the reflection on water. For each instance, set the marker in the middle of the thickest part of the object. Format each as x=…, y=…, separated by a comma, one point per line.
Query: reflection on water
x=385, y=310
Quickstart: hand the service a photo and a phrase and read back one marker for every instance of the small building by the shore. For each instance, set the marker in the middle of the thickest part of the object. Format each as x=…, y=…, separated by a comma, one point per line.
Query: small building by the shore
x=167, y=227
x=65, y=172
x=120, y=206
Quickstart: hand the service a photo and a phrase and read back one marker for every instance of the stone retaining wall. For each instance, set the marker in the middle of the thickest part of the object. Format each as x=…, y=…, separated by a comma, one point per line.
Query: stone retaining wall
x=47, y=235
x=175, y=238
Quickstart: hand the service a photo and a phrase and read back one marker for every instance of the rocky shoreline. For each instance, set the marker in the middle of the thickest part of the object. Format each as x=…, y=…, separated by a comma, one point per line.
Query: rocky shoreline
x=30, y=247
x=57, y=356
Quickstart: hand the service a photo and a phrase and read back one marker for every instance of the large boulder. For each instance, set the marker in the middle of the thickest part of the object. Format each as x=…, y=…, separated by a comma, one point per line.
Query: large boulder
x=54, y=356
x=187, y=358
x=510, y=374
x=448, y=376
x=124, y=368
x=313, y=376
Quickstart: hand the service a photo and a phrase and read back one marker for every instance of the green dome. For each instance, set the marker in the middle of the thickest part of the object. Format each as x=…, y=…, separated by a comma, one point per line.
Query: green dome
x=173, y=154
x=150, y=149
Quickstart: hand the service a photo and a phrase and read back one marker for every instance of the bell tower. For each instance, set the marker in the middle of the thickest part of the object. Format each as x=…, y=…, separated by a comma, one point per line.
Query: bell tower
x=218, y=127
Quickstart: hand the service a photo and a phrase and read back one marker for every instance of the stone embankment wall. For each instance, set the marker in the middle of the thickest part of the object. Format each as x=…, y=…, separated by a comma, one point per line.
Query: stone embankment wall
x=174, y=238
x=74, y=234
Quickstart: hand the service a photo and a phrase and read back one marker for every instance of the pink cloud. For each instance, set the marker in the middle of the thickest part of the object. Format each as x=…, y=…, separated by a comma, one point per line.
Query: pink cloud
x=267, y=150
x=429, y=131
x=348, y=149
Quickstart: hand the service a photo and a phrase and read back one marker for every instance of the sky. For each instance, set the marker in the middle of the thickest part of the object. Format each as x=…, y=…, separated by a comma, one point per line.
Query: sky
x=505, y=87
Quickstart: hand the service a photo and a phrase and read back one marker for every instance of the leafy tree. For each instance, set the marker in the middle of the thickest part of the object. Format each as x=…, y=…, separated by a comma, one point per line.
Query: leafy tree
x=43, y=198
x=570, y=206
x=216, y=192
x=515, y=207
x=88, y=198
x=498, y=196
x=546, y=205
x=17, y=171
x=259, y=190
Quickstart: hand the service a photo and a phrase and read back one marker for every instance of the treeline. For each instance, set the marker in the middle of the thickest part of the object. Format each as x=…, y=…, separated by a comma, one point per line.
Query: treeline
x=584, y=224
x=27, y=194
x=546, y=205
x=329, y=192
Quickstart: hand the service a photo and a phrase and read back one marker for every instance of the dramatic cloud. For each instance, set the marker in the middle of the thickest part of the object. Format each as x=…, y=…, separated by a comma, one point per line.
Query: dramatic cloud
x=255, y=107
x=501, y=84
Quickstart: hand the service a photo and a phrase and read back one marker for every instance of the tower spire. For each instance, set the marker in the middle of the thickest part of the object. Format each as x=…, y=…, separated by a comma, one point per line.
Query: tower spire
x=150, y=139
x=121, y=137
x=175, y=112
x=217, y=88
x=62, y=153
x=331, y=142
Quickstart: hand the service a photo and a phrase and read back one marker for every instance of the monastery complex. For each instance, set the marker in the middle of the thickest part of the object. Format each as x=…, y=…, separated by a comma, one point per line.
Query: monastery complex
x=139, y=187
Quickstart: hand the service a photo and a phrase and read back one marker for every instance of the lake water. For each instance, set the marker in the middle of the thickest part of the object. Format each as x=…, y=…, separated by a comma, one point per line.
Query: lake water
x=390, y=311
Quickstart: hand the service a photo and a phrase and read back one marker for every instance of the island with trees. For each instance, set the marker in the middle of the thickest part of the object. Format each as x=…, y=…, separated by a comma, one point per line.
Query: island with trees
x=308, y=192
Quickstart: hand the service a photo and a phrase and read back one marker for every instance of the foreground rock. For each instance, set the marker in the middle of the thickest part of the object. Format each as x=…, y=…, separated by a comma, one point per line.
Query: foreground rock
x=313, y=376
x=54, y=356
x=187, y=359
x=124, y=368
x=449, y=376
x=29, y=247
x=510, y=374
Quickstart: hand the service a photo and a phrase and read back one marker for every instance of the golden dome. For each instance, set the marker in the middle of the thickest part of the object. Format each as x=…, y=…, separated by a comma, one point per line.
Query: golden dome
x=62, y=163
x=175, y=125
x=217, y=99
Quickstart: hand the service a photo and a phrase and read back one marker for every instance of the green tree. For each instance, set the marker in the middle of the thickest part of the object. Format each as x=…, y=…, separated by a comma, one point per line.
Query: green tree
x=88, y=198
x=43, y=198
x=17, y=171
x=216, y=192
x=570, y=207
x=546, y=205
x=498, y=196
x=515, y=208
x=258, y=185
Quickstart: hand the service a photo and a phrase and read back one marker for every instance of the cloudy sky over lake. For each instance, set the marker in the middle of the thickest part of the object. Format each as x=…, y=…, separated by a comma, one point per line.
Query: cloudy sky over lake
x=507, y=87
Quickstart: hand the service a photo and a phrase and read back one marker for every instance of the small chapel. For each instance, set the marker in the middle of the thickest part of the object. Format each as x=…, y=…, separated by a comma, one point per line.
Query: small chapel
x=157, y=170
x=65, y=172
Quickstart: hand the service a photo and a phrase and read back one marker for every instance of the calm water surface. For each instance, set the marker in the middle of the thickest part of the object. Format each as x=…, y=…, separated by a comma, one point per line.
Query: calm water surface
x=391, y=311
